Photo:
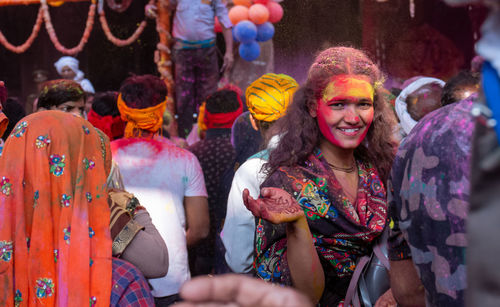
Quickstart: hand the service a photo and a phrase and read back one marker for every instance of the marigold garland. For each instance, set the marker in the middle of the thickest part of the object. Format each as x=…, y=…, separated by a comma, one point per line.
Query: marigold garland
x=53, y=36
x=44, y=15
x=120, y=42
x=163, y=53
x=23, y=47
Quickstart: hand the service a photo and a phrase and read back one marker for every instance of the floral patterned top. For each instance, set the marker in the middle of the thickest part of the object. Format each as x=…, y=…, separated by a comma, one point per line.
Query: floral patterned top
x=342, y=231
x=55, y=245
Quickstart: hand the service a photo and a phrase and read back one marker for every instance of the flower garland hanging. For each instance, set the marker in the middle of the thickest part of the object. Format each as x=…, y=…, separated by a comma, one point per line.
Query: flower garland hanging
x=162, y=53
x=53, y=36
x=22, y=48
x=116, y=41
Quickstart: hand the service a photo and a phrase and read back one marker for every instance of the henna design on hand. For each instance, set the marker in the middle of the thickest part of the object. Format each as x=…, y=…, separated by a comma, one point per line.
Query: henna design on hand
x=275, y=206
x=282, y=205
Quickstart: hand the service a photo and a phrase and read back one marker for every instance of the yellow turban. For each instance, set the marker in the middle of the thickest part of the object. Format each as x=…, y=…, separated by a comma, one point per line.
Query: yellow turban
x=269, y=96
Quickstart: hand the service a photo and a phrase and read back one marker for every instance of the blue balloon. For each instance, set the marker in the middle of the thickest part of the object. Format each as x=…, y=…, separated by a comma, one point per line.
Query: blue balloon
x=249, y=51
x=265, y=32
x=245, y=31
x=234, y=36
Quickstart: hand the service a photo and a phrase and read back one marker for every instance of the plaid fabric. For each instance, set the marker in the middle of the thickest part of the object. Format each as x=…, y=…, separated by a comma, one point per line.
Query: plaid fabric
x=129, y=286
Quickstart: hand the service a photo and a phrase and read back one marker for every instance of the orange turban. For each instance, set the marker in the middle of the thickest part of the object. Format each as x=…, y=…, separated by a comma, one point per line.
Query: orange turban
x=149, y=119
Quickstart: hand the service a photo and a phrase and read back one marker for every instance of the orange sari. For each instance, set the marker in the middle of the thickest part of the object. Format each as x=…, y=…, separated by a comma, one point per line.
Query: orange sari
x=55, y=245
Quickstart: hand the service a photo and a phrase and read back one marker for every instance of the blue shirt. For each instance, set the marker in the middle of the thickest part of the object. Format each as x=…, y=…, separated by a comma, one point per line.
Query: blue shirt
x=194, y=19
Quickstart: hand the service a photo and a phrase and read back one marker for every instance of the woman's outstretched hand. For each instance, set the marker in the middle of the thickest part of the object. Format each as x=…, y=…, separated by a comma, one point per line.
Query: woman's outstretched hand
x=275, y=206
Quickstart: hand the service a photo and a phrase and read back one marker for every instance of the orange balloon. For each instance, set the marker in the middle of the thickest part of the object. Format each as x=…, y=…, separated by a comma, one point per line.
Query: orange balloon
x=238, y=13
x=258, y=13
x=275, y=11
x=246, y=3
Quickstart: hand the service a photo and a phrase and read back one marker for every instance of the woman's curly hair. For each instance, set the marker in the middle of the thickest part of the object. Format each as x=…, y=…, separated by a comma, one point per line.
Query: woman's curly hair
x=299, y=131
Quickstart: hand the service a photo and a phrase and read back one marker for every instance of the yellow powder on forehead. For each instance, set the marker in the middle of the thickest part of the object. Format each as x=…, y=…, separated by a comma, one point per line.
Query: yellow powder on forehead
x=356, y=86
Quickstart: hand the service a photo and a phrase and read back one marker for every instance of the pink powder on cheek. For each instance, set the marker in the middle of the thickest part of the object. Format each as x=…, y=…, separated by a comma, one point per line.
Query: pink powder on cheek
x=323, y=126
x=325, y=129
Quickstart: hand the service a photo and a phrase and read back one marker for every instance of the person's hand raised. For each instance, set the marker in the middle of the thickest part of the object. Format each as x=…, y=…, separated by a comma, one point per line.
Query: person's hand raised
x=275, y=206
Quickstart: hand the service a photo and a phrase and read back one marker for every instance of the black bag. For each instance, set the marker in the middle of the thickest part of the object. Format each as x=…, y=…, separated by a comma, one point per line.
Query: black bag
x=371, y=277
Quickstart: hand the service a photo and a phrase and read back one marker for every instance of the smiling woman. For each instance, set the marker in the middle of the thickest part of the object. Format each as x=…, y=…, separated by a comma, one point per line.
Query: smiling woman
x=332, y=161
x=345, y=112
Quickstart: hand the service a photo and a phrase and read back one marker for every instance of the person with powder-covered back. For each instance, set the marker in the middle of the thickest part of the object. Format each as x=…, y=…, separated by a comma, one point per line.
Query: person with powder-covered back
x=166, y=179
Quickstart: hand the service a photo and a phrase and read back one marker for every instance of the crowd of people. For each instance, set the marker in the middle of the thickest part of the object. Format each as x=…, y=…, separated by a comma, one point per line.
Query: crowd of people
x=343, y=192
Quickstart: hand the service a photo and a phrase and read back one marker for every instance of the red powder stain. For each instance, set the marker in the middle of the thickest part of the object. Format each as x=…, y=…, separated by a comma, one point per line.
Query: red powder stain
x=156, y=146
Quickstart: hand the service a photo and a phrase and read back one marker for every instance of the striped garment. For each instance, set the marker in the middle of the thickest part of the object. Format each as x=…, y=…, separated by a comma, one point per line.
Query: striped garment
x=269, y=96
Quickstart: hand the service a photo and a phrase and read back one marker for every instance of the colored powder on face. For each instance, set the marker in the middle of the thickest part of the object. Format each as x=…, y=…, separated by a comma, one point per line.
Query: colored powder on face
x=347, y=88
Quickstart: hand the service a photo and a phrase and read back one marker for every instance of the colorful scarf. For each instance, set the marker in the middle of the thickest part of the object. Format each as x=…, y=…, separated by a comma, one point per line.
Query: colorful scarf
x=150, y=119
x=55, y=245
x=114, y=127
x=342, y=231
x=269, y=96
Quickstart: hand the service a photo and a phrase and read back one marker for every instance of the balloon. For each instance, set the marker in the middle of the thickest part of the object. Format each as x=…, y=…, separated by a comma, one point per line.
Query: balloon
x=275, y=11
x=265, y=32
x=258, y=13
x=249, y=51
x=217, y=26
x=261, y=1
x=245, y=31
x=246, y=3
x=238, y=13
x=234, y=36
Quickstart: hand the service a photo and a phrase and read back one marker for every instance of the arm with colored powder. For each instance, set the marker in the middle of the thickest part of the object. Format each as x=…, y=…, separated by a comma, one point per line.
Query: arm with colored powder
x=195, y=203
x=277, y=206
x=228, y=55
x=197, y=219
x=222, y=15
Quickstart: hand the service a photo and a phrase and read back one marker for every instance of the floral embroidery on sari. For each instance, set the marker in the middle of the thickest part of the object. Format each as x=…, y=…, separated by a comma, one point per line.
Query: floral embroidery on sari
x=6, y=250
x=57, y=164
x=19, y=130
x=5, y=186
x=42, y=141
x=44, y=287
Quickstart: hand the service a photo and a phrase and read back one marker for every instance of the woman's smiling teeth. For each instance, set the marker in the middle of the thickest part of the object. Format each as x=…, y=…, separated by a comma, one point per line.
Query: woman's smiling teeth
x=349, y=130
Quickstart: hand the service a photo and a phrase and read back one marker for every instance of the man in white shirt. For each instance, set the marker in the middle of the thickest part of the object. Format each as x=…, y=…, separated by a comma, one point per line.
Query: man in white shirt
x=267, y=99
x=167, y=180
